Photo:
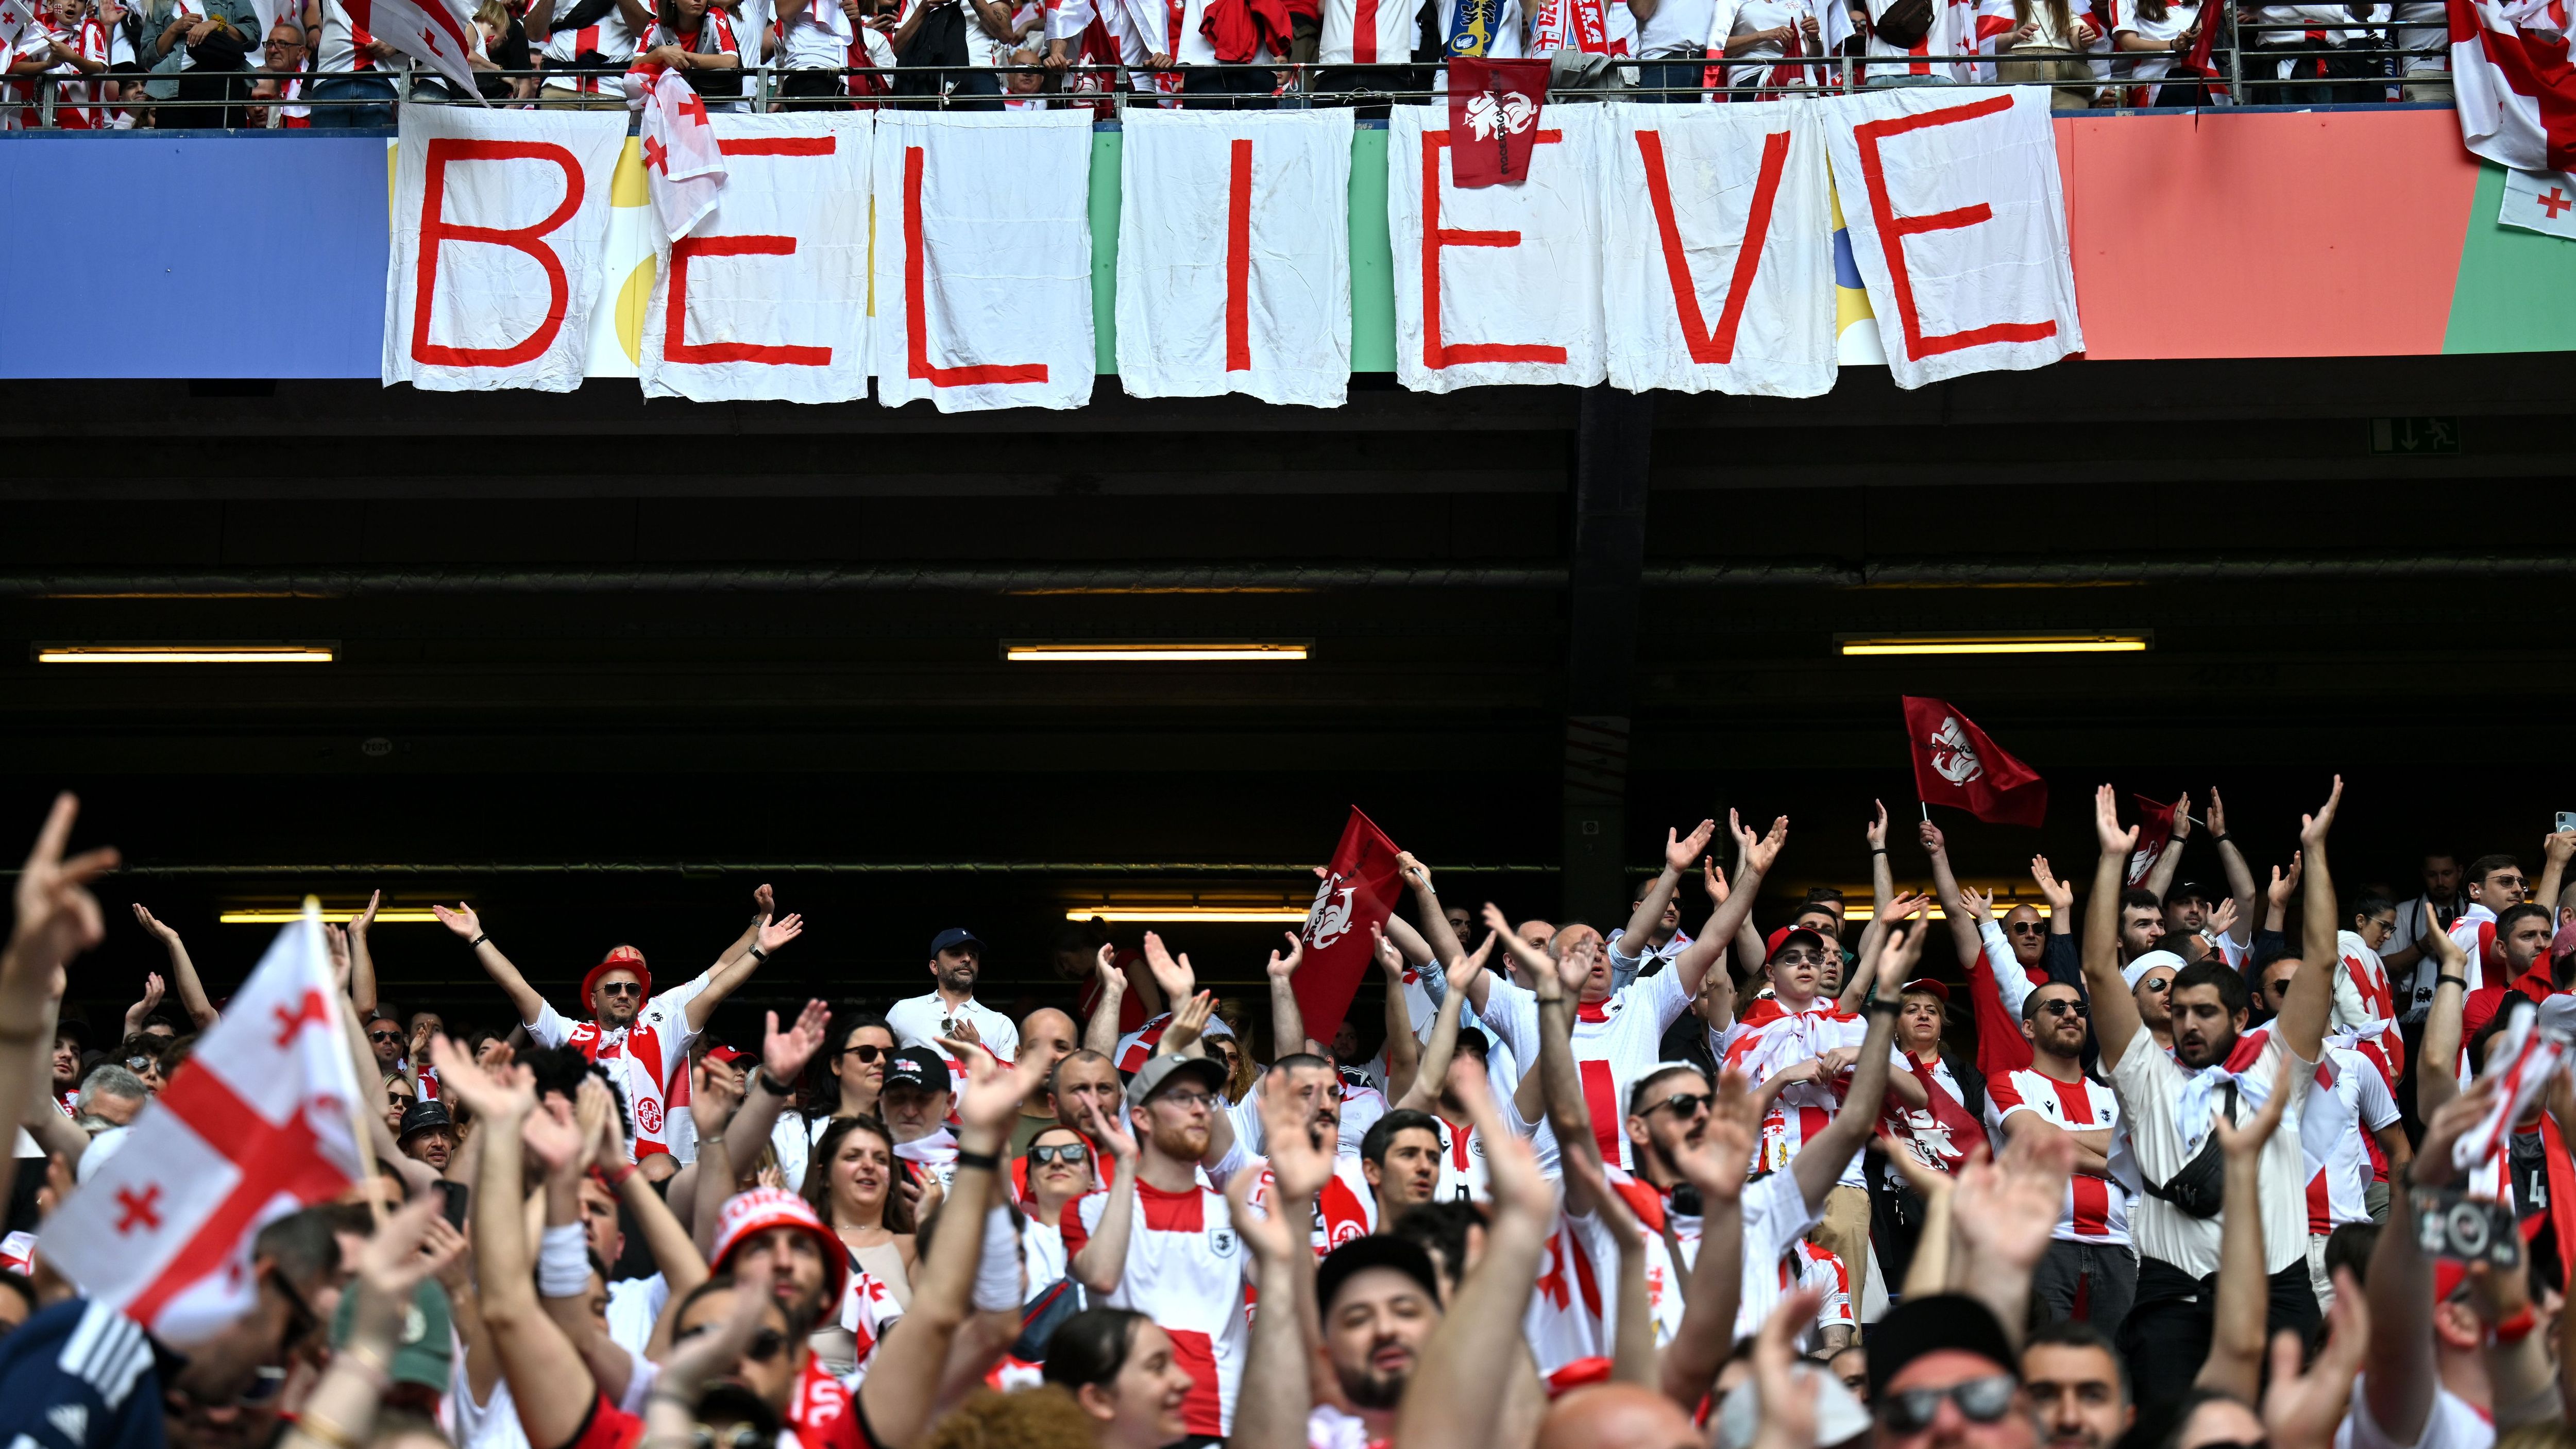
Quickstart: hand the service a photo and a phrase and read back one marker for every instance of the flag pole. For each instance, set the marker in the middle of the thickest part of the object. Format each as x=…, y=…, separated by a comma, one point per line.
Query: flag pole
x=356, y=1032
x=1927, y=810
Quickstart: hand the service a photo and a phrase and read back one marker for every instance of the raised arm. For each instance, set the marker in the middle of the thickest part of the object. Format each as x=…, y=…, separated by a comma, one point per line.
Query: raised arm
x=1287, y=1019
x=900, y=1392
x=192, y=990
x=2437, y=1061
x=469, y=928
x=1945, y=888
x=362, y=962
x=783, y=1055
x=1424, y=1093
x=682, y=1266
x=2400, y=1373
x=1403, y=1053
x=1754, y=857
x=1444, y=943
x=2004, y=1211
x=2115, y=1010
x=1680, y=853
x=1532, y=961
x=2240, y=876
x=2303, y=1011
x=1278, y=1390
x=1716, y=1288
x=1102, y=1262
x=1632, y=1337
x=564, y=1149
x=2236, y=1341
x=1100, y=1034
x=2161, y=876
x=1820, y=1162
x=2555, y=851
x=728, y=975
x=1561, y=1084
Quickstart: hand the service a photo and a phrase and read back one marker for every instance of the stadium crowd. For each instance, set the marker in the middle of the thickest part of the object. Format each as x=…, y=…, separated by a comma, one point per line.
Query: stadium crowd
x=2261, y=1163
x=116, y=64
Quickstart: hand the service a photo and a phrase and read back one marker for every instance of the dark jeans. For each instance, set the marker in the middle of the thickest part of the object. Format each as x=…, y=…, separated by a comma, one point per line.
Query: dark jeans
x=969, y=90
x=2364, y=78
x=1203, y=89
x=2167, y=1333
x=2107, y=1271
x=812, y=90
x=348, y=88
x=1679, y=79
x=1895, y=1225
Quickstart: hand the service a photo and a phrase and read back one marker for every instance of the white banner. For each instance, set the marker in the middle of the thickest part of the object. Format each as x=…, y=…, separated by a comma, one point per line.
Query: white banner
x=499, y=222
x=1501, y=284
x=1958, y=227
x=1234, y=255
x=1718, y=246
x=983, y=266
x=768, y=296
x=2541, y=201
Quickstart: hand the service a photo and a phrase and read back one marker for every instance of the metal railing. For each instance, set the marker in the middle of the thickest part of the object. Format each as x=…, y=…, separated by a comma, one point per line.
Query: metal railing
x=2354, y=63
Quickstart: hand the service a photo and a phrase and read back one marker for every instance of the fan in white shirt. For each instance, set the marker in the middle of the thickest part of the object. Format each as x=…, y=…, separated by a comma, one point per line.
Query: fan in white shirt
x=950, y=1012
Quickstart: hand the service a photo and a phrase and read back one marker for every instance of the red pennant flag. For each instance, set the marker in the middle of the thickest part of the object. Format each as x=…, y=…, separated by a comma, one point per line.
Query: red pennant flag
x=1955, y=764
x=1357, y=892
x=1493, y=119
x=2155, y=832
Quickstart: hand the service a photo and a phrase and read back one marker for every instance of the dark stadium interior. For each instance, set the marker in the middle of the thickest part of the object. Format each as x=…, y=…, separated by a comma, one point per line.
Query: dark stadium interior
x=715, y=645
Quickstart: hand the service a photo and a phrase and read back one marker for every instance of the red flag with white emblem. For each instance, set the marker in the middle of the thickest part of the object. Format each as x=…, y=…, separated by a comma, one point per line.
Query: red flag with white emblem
x=1358, y=891
x=1955, y=764
x=2155, y=832
x=439, y=34
x=1494, y=108
x=257, y=1125
x=683, y=165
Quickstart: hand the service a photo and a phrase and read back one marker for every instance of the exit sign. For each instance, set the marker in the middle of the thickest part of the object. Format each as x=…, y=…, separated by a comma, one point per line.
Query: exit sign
x=2415, y=435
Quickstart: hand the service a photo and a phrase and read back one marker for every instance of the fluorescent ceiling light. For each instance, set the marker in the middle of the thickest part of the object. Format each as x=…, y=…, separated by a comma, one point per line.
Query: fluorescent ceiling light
x=1858, y=644
x=1212, y=915
x=206, y=653
x=287, y=915
x=1152, y=651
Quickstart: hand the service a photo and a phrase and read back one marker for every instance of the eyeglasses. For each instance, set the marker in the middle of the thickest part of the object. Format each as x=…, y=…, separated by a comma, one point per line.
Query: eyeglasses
x=1796, y=957
x=1189, y=1101
x=2386, y=928
x=1071, y=1154
x=2027, y=928
x=2065, y=1006
x=744, y=1436
x=1681, y=1104
x=764, y=1345
x=1983, y=1401
x=393, y=1036
x=865, y=1051
x=623, y=988
x=2157, y=983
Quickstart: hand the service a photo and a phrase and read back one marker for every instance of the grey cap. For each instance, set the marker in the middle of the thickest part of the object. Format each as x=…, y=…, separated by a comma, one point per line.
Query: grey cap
x=1160, y=1071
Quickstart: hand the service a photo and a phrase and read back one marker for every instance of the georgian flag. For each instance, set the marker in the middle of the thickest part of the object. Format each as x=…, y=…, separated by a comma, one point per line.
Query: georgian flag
x=2516, y=90
x=259, y=1123
x=683, y=165
x=2531, y=1057
x=439, y=34
x=2541, y=201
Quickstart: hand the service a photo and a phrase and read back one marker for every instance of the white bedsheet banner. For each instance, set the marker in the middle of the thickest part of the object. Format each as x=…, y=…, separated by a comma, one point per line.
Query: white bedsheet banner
x=768, y=296
x=1958, y=226
x=1718, y=249
x=983, y=259
x=1234, y=255
x=499, y=224
x=1501, y=284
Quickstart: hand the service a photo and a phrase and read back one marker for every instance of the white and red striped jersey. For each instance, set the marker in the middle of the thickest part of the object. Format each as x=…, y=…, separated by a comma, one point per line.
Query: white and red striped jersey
x=1807, y=1265
x=1462, y=1165
x=1952, y=32
x=73, y=93
x=640, y=1059
x=1137, y=1047
x=609, y=35
x=1184, y=1270
x=2097, y=1208
x=1616, y=1041
x=1346, y=1210
x=1771, y=1038
x=1574, y=1309
x=2474, y=934
x=1368, y=32
x=344, y=46
x=2351, y=1100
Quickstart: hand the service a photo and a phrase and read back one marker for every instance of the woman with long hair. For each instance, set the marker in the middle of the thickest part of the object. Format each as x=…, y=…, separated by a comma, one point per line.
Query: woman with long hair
x=855, y=1186
x=839, y=1083
x=1121, y=1370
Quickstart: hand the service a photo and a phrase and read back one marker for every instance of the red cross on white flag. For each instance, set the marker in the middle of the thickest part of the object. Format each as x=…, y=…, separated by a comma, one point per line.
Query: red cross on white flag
x=685, y=168
x=2542, y=201
x=439, y=34
x=256, y=1125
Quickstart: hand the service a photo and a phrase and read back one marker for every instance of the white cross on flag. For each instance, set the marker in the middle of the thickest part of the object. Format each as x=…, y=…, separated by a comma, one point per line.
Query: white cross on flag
x=682, y=162
x=255, y=1126
x=2542, y=201
x=439, y=34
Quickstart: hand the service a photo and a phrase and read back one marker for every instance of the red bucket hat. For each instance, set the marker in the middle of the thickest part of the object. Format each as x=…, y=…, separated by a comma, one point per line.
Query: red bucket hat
x=619, y=958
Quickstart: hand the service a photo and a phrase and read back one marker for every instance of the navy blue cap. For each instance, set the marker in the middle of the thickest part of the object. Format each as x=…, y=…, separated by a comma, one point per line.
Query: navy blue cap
x=954, y=936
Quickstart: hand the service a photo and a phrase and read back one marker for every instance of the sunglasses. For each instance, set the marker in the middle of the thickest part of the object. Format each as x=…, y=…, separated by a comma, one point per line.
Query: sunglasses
x=2157, y=983
x=2064, y=1006
x=624, y=988
x=865, y=1051
x=743, y=1436
x=1681, y=1104
x=1071, y=1154
x=1982, y=1401
x=764, y=1346
x=2028, y=928
x=392, y=1036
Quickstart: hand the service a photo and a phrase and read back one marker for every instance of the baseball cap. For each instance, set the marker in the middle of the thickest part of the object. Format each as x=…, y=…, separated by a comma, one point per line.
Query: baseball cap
x=919, y=1068
x=424, y=1354
x=2190, y=890
x=1921, y=1326
x=1786, y=934
x=1160, y=1071
x=954, y=936
x=1378, y=1250
x=425, y=1117
x=748, y=1214
x=727, y=1054
x=619, y=958
x=1839, y=1416
x=2152, y=961
x=1928, y=986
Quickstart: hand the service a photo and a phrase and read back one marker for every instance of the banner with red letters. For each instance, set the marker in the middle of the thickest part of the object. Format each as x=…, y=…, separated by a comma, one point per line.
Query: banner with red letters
x=500, y=222
x=1718, y=250
x=983, y=259
x=1958, y=227
x=767, y=297
x=1234, y=255
x=1496, y=284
